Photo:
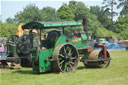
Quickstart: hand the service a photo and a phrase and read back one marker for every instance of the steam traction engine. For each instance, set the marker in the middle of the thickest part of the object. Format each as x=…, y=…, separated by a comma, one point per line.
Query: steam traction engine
x=53, y=50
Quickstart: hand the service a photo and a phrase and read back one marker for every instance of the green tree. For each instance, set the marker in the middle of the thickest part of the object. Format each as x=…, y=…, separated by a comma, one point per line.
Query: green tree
x=30, y=13
x=98, y=11
x=48, y=14
x=124, y=5
x=7, y=29
x=10, y=20
x=0, y=18
x=93, y=24
x=0, y=28
x=65, y=13
x=109, y=9
x=79, y=9
x=124, y=34
x=101, y=16
x=121, y=24
x=105, y=32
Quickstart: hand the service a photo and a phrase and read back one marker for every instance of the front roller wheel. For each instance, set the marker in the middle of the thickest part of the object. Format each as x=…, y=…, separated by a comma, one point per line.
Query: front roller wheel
x=66, y=57
x=96, y=59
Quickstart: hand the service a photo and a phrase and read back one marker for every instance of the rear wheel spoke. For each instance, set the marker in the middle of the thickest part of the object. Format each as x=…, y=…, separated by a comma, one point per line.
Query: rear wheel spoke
x=65, y=67
x=70, y=65
x=65, y=50
x=60, y=58
x=61, y=62
x=73, y=58
x=70, y=52
x=72, y=62
x=61, y=55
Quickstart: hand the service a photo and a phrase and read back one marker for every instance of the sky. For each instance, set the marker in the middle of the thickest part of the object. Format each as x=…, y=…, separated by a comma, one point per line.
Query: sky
x=9, y=8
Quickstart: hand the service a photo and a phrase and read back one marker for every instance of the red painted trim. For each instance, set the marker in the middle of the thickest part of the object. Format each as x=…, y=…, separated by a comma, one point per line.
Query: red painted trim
x=104, y=49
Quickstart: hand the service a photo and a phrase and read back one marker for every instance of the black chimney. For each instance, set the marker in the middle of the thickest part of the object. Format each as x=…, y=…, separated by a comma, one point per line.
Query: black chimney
x=85, y=25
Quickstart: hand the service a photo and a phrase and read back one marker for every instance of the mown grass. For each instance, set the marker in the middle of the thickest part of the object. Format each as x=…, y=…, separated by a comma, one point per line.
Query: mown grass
x=115, y=74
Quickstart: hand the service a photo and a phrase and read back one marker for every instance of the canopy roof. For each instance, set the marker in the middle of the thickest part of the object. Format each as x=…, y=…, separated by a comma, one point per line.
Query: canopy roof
x=46, y=25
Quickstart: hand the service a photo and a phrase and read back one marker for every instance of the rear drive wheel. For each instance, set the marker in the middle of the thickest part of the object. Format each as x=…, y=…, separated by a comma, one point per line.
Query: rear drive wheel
x=66, y=57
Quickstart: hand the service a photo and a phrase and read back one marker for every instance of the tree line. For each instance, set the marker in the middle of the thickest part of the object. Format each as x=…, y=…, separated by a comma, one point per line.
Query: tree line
x=100, y=19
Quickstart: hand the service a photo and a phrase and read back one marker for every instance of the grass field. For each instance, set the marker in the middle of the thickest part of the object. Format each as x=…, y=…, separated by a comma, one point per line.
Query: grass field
x=115, y=74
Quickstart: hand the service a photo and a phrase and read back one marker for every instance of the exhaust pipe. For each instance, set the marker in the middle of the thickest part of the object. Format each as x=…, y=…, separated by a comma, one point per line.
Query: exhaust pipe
x=85, y=25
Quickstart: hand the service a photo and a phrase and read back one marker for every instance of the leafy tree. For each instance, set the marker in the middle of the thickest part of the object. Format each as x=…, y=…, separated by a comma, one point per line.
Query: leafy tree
x=105, y=32
x=0, y=19
x=93, y=24
x=98, y=11
x=79, y=9
x=101, y=16
x=30, y=13
x=109, y=9
x=10, y=20
x=48, y=14
x=121, y=24
x=65, y=13
x=7, y=29
x=124, y=5
x=124, y=34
